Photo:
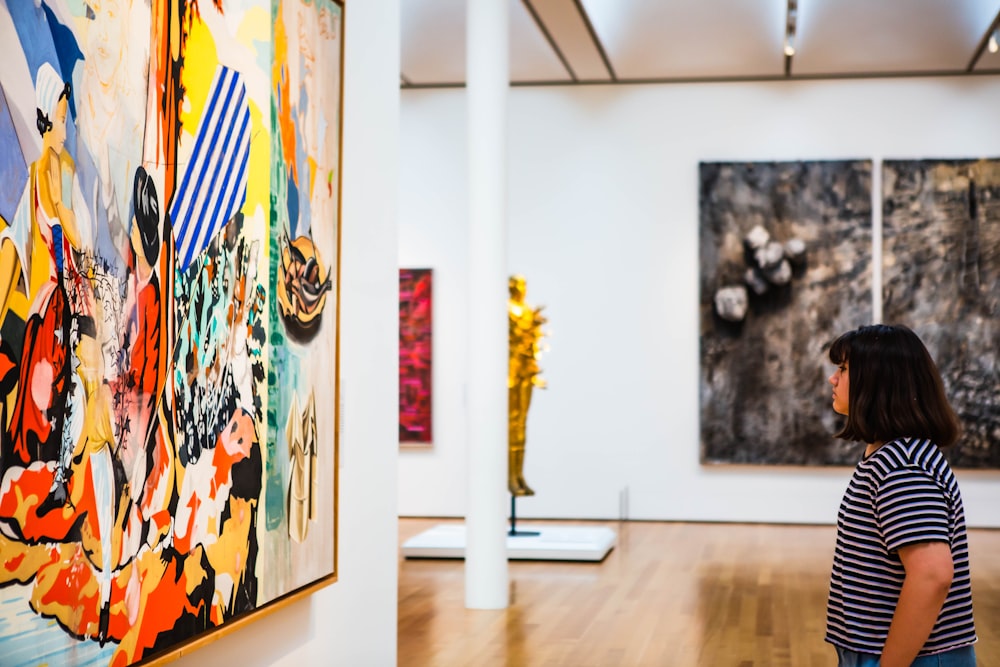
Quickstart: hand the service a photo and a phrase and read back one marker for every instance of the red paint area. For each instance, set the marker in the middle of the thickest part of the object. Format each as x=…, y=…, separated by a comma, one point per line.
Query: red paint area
x=67, y=586
x=14, y=563
x=24, y=489
x=42, y=350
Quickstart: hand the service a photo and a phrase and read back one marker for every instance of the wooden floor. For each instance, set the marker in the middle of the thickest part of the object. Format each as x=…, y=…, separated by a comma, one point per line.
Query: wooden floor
x=669, y=594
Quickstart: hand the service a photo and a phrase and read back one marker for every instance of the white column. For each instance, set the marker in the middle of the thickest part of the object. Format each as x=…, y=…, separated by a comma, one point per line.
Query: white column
x=486, y=92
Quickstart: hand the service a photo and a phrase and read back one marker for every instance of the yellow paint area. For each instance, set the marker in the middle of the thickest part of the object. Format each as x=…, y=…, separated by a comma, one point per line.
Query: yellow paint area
x=229, y=553
x=255, y=27
x=194, y=573
x=280, y=38
x=29, y=559
x=201, y=59
x=76, y=573
x=23, y=503
x=259, y=172
x=313, y=168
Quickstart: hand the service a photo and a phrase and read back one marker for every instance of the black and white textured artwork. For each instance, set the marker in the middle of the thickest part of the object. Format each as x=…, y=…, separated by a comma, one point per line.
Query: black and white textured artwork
x=785, y=250
x=941, y=277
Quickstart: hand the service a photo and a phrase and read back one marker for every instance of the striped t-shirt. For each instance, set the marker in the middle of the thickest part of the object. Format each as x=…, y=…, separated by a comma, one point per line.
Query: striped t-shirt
x=904, y=493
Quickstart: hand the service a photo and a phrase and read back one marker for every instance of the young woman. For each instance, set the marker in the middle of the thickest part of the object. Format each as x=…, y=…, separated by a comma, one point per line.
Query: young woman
x=899, y=592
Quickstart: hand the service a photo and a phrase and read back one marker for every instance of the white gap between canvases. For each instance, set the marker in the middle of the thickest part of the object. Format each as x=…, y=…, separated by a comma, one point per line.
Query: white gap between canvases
x=876, y=195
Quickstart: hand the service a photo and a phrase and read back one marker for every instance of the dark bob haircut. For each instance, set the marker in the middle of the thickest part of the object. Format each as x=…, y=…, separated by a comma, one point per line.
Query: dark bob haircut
x=895, y=388
x=147, y=214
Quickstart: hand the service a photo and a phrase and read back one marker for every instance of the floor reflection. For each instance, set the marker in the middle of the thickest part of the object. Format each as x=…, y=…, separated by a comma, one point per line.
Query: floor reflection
x=669, y=595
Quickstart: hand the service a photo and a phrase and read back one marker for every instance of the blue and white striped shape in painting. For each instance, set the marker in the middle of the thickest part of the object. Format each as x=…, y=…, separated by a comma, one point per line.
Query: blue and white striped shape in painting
x=214, y=185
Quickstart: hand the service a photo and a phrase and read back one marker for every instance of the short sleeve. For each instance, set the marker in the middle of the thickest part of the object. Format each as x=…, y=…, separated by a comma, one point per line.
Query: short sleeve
x=911, y=507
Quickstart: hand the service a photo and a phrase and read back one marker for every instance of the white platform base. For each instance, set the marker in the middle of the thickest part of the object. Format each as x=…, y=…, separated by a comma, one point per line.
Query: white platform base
x=552, y=543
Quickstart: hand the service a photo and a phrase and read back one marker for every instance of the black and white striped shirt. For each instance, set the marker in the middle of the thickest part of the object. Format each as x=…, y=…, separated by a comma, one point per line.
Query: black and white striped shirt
x=904, y=493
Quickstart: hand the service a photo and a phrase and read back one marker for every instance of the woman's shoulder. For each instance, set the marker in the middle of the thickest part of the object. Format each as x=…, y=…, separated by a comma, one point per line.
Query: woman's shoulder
x=910, y=453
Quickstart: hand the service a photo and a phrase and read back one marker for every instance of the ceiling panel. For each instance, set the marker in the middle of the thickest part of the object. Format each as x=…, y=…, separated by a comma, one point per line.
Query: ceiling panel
x=889, y=36
x=532, y=57
x=568, y=27
x=691, y=38
x=432, y=47
x=666, y=40
x=990, y=61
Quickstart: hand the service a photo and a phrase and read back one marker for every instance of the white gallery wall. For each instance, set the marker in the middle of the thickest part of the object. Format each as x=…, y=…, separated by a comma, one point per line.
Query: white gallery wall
x=353, y=622
x=603, y=222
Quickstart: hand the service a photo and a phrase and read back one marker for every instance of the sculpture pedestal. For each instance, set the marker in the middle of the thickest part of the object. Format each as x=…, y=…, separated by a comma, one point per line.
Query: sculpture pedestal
x=575, y=543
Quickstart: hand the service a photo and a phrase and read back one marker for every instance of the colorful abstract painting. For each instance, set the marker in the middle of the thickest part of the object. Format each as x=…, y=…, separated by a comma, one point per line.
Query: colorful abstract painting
x=415, y=352
x=169, y=246
x=941, y=277
x=785, y=251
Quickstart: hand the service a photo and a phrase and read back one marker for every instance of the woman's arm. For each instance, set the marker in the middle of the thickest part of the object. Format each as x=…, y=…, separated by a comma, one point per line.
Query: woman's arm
x=51, y=191
x=67, y=218
x=9, y=262
x=929, y=570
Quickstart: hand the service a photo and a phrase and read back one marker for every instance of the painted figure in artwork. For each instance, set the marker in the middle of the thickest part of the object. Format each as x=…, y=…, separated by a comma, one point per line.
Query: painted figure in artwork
x=40, y=248
x=140, y=381
x=111, y=104
x=525, y=333
x=145, y=455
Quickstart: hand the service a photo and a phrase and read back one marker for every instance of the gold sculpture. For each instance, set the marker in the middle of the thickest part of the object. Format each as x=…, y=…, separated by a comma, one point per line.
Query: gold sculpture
x=525, y=332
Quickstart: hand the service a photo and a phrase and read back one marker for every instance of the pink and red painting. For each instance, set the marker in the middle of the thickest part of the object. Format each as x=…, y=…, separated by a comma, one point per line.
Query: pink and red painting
x=415, y=352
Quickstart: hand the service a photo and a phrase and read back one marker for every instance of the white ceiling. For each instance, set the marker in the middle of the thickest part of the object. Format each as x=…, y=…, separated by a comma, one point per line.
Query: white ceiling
x=623, y=41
